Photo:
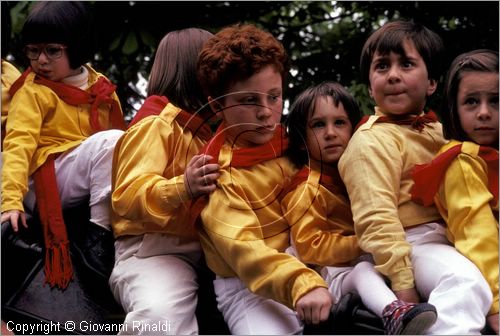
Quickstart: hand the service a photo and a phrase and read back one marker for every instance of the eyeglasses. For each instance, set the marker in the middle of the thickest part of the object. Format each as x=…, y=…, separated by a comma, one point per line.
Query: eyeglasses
x=52, y=51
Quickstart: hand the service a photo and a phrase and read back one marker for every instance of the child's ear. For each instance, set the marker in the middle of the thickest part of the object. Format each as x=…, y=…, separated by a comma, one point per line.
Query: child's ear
x=432, y=87
x=215, y=106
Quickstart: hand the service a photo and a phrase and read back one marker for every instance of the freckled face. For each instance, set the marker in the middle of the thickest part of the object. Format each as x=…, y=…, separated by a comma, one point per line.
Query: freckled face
x=328, y=131
x=477, y=105
x=252, y=108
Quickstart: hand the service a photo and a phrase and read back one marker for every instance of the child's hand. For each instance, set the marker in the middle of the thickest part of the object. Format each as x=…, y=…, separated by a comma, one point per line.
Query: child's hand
x=408, y=295
x=315, y=306
x=13, y=216
x=493, y=322
x=200, y=176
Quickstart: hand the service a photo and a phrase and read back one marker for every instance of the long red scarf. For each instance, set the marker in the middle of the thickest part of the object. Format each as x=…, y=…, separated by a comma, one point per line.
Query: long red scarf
x=153, y=105
x=416, y=122
x=58, y=268
x=241, y=158
x=428, y=177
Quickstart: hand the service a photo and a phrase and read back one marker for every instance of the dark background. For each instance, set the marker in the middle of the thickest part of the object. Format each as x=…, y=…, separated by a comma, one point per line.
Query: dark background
x=324, y=38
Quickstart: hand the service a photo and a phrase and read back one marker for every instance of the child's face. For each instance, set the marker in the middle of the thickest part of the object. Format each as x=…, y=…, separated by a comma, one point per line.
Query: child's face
x=399, y=84
x=328, y=131
x=52, y=62
x=253, y=107
x=477, y=105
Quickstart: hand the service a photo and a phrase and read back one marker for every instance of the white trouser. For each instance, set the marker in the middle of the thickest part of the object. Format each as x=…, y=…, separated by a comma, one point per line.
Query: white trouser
x=85, y=170
x=449, y=281
x=247, y=313
x=362, y=280
x=155, y=281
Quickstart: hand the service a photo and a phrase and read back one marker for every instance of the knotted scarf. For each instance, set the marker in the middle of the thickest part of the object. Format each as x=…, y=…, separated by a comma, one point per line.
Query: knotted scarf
x=416, y=122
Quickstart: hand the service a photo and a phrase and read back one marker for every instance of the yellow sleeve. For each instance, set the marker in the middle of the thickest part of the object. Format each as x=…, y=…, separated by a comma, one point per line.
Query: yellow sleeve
x=142, y=188
x=235, y=233
x=24, y=125
x=471, y=222
x=371, y=168
x=316, y=240
x=9, y=76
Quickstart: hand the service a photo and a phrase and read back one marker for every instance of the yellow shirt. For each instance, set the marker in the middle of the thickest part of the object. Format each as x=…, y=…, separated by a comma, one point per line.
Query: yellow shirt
x=376, y=170
x=464, y=200
x=40, y=124
x=321, y=224
x=9, y=76
x=148, y=177
x=244, y=234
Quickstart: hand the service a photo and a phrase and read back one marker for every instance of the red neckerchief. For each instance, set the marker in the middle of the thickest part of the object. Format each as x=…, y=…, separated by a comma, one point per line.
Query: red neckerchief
x=99, y=93
x=428, y=177
x=416, y=122
x=332, y=183
x=153, y=105
x=58, y=268
x=241, y=158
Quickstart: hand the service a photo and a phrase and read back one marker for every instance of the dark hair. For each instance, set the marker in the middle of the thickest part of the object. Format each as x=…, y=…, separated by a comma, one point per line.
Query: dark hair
x=236, y=53
x=303, y=106
x=483, y=60
x=390, y=38
x=65, y=22
x=174, y=69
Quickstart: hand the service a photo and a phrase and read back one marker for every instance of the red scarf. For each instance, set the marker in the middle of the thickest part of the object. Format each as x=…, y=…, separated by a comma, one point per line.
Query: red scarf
x=428, y=177
x=58, y=268
x=416, y=122
x=241, y=158
x=153, y=105
x=332, y=183
x=98, y=94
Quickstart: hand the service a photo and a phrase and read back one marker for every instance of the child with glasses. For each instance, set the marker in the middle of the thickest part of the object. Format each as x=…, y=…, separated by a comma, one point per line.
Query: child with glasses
x=463, y=178
x=57, y=151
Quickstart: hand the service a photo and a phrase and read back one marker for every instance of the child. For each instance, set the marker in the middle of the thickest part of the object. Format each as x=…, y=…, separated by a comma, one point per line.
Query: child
x=320, y=125
x=464, y=176
x=53, y=138
x=155, y=173
x=9, y=72
x=400, y=62
x=244, y=235
x=9, y=75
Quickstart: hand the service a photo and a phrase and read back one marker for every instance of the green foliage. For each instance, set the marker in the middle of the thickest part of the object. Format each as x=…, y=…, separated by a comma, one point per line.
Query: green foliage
x=324, y=38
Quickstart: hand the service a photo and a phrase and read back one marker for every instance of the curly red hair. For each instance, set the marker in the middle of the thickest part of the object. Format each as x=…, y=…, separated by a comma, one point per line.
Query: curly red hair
x=236, y=53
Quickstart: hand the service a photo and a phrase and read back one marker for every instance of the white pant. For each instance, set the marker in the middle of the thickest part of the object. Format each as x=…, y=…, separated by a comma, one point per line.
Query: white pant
x=247, y=313
x=443, y=277
x=155, y=281
x=85, y=170
x=362, y=280
x=449, y=281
